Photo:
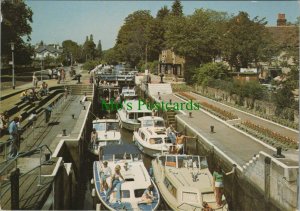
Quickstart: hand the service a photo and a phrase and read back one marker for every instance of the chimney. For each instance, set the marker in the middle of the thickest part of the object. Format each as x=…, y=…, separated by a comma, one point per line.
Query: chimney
x=281, y=21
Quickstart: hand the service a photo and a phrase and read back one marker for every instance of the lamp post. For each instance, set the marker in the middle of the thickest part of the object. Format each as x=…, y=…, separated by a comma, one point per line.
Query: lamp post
x=13, y=65
x=42, y=67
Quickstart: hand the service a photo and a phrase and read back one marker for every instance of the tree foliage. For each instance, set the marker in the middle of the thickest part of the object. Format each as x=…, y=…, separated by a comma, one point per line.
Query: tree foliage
x=71, y=48
x=15, y=26
x=211, y=71
x=245, y=41
x=177, y=9
x=89, y=48
x=99, y=49
x=133, y=37
x=162, y=13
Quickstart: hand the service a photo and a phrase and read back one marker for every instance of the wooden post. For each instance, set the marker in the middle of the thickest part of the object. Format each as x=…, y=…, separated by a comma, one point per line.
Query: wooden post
x=14, y=179
x=267, y=182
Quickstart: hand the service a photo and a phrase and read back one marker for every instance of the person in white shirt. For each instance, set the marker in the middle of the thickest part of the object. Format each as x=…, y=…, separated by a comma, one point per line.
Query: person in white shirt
x=105, y=173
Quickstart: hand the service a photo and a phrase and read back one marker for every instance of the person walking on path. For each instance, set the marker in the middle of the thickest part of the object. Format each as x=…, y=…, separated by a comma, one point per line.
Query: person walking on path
x=13, y=132
x=58, y=76
x=48, y=111
x=63, y=75
x=34, y=80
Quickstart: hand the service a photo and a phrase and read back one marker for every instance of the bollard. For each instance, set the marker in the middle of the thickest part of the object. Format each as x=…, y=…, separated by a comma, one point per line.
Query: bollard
x=64, y=132
x=212, y=129
x=47, y=156
x=170, y=101
x=83, y=107
x=73, y=116
x=190, y=114
x=278, y=153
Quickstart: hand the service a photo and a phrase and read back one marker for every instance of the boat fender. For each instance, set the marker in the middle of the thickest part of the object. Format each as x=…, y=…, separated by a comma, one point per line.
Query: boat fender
x=98, y=207
x=93, y=192
x=92, y=181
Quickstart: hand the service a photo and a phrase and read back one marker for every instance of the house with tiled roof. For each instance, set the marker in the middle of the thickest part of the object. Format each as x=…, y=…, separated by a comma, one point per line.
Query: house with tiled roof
x=52, y=50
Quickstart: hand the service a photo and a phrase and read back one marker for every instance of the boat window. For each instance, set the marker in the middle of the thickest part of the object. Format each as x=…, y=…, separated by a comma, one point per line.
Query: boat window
x=203, y=163
x=131, y=116
x=142, y=135
x=108, y=157
x=140, y=115
x=159, y=123
x=170, y=187
x=155, y=140
x=125, y=193
x=189, y=197
x=99, y=126
x=129, y=179
x=112, y=126
x=171, y=161
x=139, y=193
x=147, y=123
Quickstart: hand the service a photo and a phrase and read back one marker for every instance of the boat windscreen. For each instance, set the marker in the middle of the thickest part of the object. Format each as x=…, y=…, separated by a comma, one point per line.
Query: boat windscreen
x=100, y=126
x=159, y=123
x=112, y=126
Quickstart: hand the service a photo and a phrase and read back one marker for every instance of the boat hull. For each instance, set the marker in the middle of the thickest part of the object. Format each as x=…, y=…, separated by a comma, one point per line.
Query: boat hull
x=148, y=151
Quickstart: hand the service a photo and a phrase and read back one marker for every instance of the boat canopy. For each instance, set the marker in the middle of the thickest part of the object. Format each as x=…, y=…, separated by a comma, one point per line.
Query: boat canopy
x=184, y=161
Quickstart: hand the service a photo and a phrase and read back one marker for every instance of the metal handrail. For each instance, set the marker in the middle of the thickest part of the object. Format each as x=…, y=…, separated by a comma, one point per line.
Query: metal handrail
x=39, y=148
x=189, y=205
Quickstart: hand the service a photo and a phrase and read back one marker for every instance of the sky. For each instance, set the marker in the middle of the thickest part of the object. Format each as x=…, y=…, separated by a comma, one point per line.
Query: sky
x=56, y=21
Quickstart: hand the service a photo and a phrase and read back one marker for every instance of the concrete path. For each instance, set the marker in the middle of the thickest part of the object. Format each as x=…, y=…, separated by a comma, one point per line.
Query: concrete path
x=236, y=145
x=246, y=116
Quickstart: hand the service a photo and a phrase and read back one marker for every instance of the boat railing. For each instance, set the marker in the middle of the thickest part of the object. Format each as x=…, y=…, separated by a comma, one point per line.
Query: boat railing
x=192, y=205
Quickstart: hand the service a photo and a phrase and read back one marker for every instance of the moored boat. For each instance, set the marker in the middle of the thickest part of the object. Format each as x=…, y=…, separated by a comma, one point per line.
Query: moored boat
x=107, y=132
x=136, y=179
x=151, y=138
x=185, y=182
x=130, y=112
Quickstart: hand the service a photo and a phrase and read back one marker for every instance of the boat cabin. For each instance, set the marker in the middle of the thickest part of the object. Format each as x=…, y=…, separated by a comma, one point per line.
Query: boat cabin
x=152, y=121
x=102, y=125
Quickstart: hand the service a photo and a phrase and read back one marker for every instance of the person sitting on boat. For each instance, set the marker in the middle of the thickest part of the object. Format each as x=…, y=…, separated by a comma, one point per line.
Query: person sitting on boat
x=94, y=138
x=147, y=196
x=115, y=182
x=105, y=173
x=206, y=207
x=173, y=149
x=171, y=133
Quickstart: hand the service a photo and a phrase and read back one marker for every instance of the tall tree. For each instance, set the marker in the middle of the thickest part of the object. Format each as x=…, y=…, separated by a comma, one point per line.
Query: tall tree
x=89, y=48
x=99, y=49
x=132, y=39
x=163, y=12
x=245, y=40
x=15, y=26
x=71, y=48
x=177, y=8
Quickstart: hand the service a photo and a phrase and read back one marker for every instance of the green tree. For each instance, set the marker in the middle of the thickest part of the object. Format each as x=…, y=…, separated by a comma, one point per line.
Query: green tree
x=196, y=37
x=209, y=72
x=132, y=39
x=177, y=8
x=70, y=48
x=99, y=49
x=162, y=13
x=15, y=26
x=245, y=41
x=89, y=48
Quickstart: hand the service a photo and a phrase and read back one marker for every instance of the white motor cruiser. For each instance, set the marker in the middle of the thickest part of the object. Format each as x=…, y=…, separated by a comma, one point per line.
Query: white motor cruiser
x=136, y=179
x=108, y=133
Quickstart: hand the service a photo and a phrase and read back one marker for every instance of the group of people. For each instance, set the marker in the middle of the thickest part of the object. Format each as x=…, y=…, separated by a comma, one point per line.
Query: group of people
x=110, y=181
x=33, y=94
